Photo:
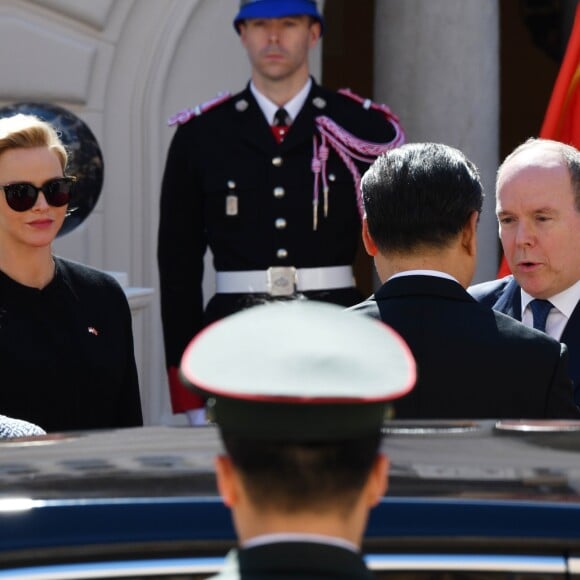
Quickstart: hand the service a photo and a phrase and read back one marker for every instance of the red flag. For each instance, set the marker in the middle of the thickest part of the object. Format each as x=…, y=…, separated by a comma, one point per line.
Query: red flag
x=562, y=120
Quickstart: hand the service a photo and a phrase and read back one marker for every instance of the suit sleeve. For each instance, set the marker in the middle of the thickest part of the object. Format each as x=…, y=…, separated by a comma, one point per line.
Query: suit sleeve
x=180, y=252
x=560, y=403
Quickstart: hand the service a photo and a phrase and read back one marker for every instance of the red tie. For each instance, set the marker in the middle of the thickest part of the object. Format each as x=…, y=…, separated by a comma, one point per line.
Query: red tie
x=280, y=126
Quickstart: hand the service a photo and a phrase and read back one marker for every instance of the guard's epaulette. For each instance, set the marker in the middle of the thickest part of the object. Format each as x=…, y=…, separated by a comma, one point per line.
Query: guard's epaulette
x=186, y=114
x=381, y=108
x=366, y=103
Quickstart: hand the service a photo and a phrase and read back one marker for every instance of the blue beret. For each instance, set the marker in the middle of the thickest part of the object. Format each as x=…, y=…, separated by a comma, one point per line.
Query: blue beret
x=277, y=9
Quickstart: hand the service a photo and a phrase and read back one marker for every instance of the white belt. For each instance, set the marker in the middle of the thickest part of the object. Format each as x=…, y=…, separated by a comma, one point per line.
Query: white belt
x=284, y=281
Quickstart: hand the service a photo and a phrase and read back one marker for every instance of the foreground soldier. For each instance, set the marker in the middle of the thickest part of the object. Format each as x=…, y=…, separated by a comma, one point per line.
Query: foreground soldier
x=300, y=418
x=272, y=192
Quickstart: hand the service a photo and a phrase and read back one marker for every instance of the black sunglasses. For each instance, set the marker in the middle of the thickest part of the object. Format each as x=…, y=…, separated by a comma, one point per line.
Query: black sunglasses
x=22, y=196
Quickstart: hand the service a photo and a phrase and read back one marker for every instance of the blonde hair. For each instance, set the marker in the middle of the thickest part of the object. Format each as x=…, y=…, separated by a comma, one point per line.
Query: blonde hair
x=28, y=131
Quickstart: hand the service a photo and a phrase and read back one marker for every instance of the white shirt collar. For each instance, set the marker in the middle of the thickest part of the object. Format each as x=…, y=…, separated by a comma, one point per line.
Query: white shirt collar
x=565, y=301
x=564, y=304
x=293, y=106
x=435, y=273
x=295, y=537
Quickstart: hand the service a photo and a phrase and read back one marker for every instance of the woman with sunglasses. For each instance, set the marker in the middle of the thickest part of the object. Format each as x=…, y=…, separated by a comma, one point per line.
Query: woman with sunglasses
x=66, y=343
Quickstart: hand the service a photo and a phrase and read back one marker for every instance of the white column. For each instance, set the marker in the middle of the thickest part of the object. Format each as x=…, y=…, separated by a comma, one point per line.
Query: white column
x=437, y=67
x=140, y=302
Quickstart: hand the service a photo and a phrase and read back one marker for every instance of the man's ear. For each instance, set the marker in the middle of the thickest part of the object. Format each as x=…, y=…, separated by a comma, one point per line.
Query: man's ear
x=242, y=27
x=377, y=482
x=315, y=33
x=469, y=234
x=227, y=480
x=368, y=241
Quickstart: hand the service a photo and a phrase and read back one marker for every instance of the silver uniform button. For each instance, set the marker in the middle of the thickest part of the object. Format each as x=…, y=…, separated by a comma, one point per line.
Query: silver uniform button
x=282, y=253
x=277, y=161
x=280, y=223
x=242, y=105
x=279, y=192
x=319, y=102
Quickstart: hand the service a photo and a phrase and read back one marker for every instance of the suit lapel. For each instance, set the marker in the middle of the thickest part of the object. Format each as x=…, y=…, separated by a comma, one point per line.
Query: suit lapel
x=510, y=301
x=571, y=338
x=250, y=123
x=302, y=128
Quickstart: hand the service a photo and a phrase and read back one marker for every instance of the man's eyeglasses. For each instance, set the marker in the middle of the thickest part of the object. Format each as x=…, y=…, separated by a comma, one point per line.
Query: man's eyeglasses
x=22, y=196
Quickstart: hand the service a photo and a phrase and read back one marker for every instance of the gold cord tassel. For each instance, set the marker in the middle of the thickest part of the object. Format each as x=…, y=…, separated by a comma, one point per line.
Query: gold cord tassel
x=315, y=215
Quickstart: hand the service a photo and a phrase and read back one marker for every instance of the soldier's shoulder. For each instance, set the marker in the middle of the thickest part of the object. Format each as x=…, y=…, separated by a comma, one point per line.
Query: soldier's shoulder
x=372, y=122
x=368, y=307
x=208, y=107
x=347, y=98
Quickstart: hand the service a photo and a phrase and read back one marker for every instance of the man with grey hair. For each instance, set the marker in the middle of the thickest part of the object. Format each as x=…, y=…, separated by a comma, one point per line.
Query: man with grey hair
x=538, y=210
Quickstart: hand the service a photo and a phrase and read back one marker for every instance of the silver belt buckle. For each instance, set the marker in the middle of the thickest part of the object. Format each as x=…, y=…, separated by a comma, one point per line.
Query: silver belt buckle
x=281, y=280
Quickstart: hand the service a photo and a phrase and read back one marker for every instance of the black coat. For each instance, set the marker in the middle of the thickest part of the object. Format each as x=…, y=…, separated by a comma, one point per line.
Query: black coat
x=66, y=352
x=504, y=295
x=472, y=362
x=304, y=560
x=230, y=151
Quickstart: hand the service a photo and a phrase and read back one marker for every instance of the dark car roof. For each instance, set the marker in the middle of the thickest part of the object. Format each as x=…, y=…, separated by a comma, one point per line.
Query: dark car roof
x=532, y=460
x=478, y=482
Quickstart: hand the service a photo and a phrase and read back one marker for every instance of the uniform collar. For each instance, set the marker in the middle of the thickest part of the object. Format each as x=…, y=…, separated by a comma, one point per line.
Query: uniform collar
x=299, y=537
x=293, y=106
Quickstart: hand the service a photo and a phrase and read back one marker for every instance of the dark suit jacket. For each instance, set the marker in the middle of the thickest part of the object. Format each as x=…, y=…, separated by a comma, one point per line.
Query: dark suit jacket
x=67, y=359
x=304, y=560
x=472, y=362
x=504, y=296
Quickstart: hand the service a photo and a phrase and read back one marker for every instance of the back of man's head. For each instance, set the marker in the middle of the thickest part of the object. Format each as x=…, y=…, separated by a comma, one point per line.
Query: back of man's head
x=293, y=477
x=420, y=195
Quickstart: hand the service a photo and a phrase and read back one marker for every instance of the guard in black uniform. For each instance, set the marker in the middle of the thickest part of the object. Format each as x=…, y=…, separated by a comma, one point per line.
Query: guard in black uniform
x=300, y=418
x=268, y=179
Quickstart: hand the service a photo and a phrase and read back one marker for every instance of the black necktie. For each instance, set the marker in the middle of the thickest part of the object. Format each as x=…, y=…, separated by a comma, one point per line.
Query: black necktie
x=281, y=118
x=540, y=310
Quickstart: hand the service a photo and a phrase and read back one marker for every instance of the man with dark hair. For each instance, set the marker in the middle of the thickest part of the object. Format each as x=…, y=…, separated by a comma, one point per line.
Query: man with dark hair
x=316, y=477
x=267, y=179
x=422, y=204
x=538, y=210
x=300, y=418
